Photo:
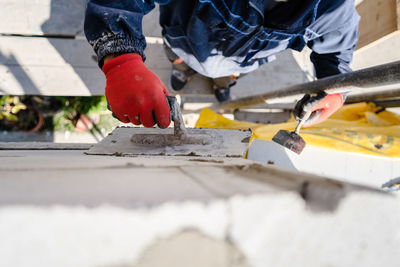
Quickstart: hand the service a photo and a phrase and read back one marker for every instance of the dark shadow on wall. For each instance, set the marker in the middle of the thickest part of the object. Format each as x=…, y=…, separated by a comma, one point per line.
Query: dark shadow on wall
x=20, y=75
x=65, y=31
x=66, y=18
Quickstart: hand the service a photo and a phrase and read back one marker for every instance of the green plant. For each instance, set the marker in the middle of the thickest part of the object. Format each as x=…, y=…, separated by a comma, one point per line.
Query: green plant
x=10, y=106
x=73, y=107
x=81, y=104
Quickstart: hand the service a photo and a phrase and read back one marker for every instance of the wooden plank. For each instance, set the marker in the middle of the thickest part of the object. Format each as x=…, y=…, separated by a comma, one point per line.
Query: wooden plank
x=29, y=51
x=382, y=51
x=37, y=17
x=53, y=66
x=37, y=51
x=398, y=14
x=55, y=17
x=48, y=67
x=39, y=80
x=378, y=19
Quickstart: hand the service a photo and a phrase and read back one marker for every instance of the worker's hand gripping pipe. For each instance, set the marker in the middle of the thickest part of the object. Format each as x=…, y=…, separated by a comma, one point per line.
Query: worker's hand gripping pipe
x=375, y=76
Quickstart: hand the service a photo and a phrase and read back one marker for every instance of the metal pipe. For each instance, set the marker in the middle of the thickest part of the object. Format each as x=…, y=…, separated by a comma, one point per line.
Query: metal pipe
x=379, y=75
x=373, y=96
x=388, y=103
x=383, y=99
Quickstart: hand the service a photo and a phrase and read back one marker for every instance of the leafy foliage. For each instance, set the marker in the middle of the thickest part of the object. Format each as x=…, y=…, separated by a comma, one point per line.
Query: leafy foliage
x=10, y=106
x=60, y=112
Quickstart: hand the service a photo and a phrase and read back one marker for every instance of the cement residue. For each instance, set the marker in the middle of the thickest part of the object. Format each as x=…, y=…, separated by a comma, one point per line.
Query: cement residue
x=163, y=140
x=207, y=160
x=320, y=194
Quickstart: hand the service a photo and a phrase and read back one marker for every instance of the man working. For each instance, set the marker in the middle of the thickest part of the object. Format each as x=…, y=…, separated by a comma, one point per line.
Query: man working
x=217, y=39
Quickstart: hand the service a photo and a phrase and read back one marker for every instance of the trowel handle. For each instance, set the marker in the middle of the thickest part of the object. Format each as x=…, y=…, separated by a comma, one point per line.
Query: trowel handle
x=172, y=102
x=176, y=116
x=303, y=120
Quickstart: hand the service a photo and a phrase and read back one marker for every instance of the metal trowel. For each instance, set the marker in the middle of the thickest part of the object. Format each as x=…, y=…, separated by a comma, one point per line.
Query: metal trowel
x=180, y=135
x=292, y=139
x=179, y=141
x=223, y=143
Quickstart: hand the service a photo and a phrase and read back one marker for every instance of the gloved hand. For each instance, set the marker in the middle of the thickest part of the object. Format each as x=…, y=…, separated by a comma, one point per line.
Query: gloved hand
x=134, y=93
x=321, y=105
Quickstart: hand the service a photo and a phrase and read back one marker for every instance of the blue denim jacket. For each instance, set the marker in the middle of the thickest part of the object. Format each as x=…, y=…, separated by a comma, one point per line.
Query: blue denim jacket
x=221, y=37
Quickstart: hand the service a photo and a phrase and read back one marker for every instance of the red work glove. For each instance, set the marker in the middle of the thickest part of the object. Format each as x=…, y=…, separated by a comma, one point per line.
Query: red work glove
x=322, y=106
x=134, y=93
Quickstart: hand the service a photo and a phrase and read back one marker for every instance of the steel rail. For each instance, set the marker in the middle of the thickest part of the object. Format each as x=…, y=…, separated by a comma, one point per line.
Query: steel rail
x=374, y=76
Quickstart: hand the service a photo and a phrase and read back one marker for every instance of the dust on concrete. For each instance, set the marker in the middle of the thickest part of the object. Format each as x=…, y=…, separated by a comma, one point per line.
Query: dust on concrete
x=208, y=160
x=190, y=154
x=246, y=139
x=234, y=156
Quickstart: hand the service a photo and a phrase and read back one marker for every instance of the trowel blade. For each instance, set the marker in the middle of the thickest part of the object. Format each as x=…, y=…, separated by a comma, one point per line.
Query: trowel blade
x=290, y=140
x=219, y=142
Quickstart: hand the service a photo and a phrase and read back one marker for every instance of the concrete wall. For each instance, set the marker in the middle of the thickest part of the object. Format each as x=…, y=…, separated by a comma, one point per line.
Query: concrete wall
x=62, y=208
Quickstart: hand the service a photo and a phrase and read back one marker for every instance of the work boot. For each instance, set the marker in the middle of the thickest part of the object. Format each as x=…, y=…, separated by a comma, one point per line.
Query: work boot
x=222, y=87
x=181, y=72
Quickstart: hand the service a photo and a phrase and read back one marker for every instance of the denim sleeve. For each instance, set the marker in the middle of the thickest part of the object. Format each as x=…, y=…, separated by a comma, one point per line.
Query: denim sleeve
x=336, y=33
x=116, y=26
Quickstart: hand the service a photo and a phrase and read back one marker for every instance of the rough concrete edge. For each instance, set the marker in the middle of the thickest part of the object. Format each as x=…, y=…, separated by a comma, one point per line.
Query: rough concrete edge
x=44, y=146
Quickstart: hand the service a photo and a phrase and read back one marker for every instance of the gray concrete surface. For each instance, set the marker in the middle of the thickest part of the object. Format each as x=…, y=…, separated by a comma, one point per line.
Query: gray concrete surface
x=64, y=208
